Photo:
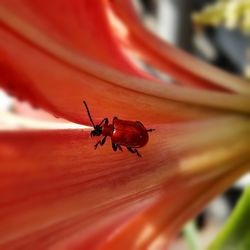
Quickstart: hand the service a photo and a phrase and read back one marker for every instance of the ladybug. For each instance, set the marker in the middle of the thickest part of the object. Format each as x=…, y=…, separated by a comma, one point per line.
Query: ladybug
x=130, y=134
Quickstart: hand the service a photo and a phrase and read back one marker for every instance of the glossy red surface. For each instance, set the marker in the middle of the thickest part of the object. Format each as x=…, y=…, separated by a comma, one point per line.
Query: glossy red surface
x=129, y=133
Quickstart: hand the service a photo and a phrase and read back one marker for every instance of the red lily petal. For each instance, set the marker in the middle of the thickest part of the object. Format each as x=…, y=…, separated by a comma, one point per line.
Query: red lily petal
x=61, y=186
x=58, y=79
x=61, y=190
x=80, y=25
x=155, y=227
x=173, y=61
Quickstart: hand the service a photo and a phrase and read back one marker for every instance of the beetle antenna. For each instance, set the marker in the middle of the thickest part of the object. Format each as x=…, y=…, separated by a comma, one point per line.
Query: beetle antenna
x=90, y=118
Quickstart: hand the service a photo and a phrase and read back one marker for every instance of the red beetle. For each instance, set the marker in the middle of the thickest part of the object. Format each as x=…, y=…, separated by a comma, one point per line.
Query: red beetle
x=130, y=134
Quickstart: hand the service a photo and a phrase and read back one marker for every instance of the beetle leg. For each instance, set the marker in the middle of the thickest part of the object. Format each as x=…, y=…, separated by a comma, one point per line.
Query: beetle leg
x=105, y=120
x=119, y=146
x=150, y=130
x=138, y=154
x=101, y=142
x=131, y=150
x=134, y=151
x=114, y=146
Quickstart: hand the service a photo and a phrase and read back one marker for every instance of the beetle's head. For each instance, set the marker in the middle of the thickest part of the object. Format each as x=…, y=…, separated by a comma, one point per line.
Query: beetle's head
x=97, y=131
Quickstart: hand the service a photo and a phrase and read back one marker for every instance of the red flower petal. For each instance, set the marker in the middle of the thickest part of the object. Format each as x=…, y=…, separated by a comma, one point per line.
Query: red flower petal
x=58, y=79
x=56, y=191
x=173, y=61
x=79, y=25
x=60, y=185
x=54, y=185
x=157, y=226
